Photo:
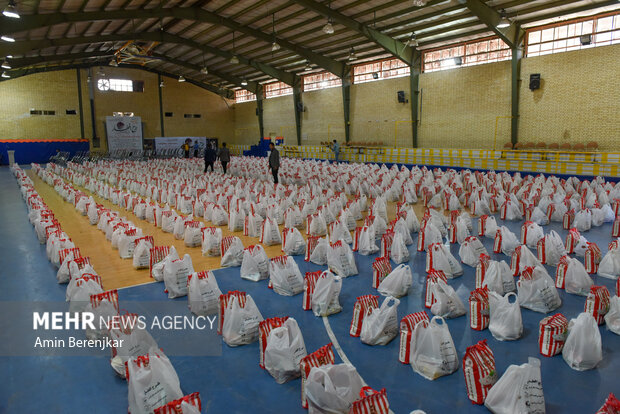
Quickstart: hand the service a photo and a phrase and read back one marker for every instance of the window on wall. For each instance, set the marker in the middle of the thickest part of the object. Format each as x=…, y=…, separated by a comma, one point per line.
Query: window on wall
x=466, y=54
x=578, y=34
x=384, y=69
x=321, y=80
x=241, y=95
x=120, y=85
x=275, y=89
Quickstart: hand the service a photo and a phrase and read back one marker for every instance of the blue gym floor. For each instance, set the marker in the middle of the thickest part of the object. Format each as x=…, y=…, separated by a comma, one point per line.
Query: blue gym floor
x=234, y=383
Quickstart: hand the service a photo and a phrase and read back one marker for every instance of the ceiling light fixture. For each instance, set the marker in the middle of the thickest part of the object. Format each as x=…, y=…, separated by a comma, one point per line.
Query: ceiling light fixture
x=9, y=56
x=244, y=82
x=503, y=22
x=5, y=75
x=413, y=41
x=11, y=11
x=234, y=59
x=7, y=39
x=162, y=84
x=329, y=27
x=419, y=3
x=5, y=65
x=204, y=70
x=274, y=45
x=113, y=62
x=181, y=78
x=352, y=55
x=308, y=66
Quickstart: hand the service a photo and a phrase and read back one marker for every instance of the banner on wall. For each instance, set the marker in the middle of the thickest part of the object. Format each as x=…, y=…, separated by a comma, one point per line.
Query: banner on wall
x=164, y=143
x=124, y=132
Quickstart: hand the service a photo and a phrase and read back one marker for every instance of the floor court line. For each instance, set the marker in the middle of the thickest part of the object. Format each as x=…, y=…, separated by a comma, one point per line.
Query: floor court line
x=338, y=348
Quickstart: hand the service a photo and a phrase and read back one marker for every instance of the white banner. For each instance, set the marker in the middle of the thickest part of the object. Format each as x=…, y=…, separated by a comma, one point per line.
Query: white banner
x=176, y=142
x=124, y=132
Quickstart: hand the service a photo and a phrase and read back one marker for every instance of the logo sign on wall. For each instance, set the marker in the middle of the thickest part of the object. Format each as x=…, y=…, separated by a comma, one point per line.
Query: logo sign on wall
x=163, y=143
x=124, y=132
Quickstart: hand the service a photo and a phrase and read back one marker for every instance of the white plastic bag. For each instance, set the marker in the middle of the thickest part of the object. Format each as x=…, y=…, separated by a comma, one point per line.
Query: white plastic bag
x=366, y=242
x=470, y=251
x=397, y=283
x=505, y=323
x=380, y=325
x=433, y=353
x=583, y=347
x=211, y=241
x=294, y=243
x=332, y=389
x=233, y=255
x=152, y=382
x=447, y=303
x=576, y=280
x=610, y=264
x=133, y=342
x=612, y=318
x=270, y=233
x=284, y=351
x=158, y=268
x=240, y=326
x=319, y=254
x=499, y=278
x=399, y=252
x=340, y=259
x=536, y=290
x=518, y=391
x=175, y=276
x=285, y=277
x=325, y=296
x=142, y=255
x=203, y=293
x=439, y=257
x=255, y=264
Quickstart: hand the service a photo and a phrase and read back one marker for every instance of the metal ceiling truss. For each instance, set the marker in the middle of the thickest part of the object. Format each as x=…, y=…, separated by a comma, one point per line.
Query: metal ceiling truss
x=17, y=73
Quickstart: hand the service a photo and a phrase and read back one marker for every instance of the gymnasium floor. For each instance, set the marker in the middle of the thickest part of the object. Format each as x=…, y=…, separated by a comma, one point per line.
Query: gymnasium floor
x=233, y=382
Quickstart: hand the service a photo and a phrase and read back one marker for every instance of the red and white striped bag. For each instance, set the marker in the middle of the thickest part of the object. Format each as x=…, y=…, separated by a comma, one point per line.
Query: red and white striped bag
x=615, y=206
x=479, y=370
x=311, y=243
x=62, y=255
x=158, y=253
x=592, y=258
x=309, y=283
x=497, y=242
x=225, y=243
x=356, y=237
x=371, y=402
x=381, y=267
x=407, y=328
x=567, y=220
x=597, y=303
x=181, y=405
x=611, y=406
x=264, y=327
x=422, y=235
x=109, y=295
x=552, y=332
x=481, y=269
x=322, y=356
x=550, y=211
x=618, y=287
x=493, y=206
x=224, y=299
x=560, y=272
x=572, y=240
x=431, y=279
x=615, y=230
x=482, y=222
x=386, y=243
x=362, y=305
x=527, y=212
x=479, y=309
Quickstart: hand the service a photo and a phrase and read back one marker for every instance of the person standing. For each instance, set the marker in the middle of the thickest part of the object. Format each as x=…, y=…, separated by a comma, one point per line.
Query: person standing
x=196, y=148
x=274, y=162
x=210, y=156
x=224, y=156
x=185, y=147
x=336, y=149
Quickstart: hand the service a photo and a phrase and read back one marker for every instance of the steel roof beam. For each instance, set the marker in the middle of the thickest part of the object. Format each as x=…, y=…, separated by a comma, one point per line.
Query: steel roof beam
x=511, y=35
x=19, y=48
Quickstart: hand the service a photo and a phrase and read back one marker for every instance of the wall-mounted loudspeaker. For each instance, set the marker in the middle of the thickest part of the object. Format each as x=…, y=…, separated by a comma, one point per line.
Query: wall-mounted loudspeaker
x=585, y=40
x=300, y=107
x=534, y=81
x=401, y=97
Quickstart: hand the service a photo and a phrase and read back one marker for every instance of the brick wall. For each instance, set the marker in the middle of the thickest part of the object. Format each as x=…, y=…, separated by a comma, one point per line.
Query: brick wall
x=579, y=98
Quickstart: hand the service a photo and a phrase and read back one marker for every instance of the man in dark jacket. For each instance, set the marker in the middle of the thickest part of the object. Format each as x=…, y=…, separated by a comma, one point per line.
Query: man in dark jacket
x=274, y=162
x=210, y=156
x=224, y=155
